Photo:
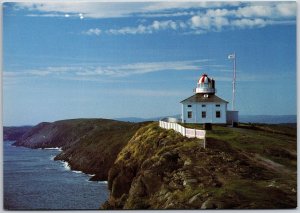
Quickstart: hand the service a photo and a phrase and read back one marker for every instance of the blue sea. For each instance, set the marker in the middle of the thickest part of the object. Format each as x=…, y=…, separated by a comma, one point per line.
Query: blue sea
x=33, y=180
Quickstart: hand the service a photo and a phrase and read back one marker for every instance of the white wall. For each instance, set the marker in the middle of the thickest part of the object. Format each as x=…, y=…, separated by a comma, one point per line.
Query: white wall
x=210, y=109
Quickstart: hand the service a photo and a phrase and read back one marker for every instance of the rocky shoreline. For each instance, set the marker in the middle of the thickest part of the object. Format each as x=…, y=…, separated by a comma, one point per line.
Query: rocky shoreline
x=88, y=145
x=152, y=168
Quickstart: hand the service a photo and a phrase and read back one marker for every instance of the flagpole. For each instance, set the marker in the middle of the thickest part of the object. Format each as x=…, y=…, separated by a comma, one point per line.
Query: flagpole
x=233, y=81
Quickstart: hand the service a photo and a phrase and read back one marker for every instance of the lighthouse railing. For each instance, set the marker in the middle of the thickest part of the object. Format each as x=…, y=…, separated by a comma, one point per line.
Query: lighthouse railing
x=187, y=132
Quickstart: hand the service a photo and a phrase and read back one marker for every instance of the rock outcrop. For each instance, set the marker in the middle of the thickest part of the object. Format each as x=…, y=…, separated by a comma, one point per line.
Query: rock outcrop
x=147, y=167
x=89, y=145
x=160, y=169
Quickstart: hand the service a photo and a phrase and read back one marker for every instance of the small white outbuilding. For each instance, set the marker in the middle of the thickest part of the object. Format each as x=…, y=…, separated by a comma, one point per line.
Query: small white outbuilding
x=204, y=106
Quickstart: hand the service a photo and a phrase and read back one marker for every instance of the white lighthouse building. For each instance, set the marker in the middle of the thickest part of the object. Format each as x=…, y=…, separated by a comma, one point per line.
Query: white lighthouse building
x=204, y=106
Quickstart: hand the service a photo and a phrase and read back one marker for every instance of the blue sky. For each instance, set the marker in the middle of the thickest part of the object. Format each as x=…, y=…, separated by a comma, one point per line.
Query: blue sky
x=110, y=60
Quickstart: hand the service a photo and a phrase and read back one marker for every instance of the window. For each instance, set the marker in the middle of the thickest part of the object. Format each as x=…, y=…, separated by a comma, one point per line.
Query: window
x=217, y=105
x=189, y=105
x=218, y=114
x=203, y=114
x=203, y=105
x=189, y=114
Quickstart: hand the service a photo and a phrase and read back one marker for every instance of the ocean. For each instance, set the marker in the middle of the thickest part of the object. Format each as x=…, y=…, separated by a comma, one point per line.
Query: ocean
x=34, y=181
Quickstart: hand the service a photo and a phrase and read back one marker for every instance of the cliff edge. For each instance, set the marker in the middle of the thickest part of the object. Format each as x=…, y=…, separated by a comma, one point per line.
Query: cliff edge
x=160, y=169
x=88, y=145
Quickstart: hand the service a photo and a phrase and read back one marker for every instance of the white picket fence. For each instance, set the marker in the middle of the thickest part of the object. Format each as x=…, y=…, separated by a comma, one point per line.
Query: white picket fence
x=187, y=132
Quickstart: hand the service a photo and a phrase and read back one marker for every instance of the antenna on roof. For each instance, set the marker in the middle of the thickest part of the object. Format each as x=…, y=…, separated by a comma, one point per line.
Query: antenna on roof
x=233, y=57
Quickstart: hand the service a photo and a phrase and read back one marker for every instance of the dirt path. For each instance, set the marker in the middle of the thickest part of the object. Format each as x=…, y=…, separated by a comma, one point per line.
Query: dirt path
x=270, y=164
x=267, y=163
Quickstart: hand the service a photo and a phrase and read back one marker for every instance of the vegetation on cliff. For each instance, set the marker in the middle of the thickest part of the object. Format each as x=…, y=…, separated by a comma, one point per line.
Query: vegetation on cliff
x=240, y=168
x=12, y=133
x=89, y=145
x=147, y=167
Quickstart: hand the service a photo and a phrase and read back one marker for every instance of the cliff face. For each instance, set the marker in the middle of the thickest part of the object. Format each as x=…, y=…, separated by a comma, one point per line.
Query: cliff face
x=253, y=166
x=89, y=145
x=160, y=169
x=14, y=133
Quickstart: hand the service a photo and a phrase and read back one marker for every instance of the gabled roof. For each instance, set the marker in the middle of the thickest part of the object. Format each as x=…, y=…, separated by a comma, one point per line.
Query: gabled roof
x=200, y=98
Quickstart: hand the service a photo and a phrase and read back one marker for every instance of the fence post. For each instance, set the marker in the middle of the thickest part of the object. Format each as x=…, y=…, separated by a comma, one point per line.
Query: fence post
x=183, y=131
x=204, y=141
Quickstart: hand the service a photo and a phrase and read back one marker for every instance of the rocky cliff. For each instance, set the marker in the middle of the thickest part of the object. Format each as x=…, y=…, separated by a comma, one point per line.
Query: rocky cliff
x=160, y=169
x=147, y=167
x=89, y=145
x=14, y=133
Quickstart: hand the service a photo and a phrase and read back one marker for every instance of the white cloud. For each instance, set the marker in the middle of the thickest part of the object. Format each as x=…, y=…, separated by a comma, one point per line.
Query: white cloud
x=42, y=72
x=218, y=12
x=163, y=9
x=288, y=9
x=203, y=22
x=111, y=71
x=249, y=23
x=148, y=29
x=220, y=22
x=95, y=31
x=115, y=9
x=141, y=68
x=87, y=10
x=207, y=23
x=188, y=5
x=255, y=11
x=254, y=14
x=140, y=29
x=162, y=14
x=195, y=17
x=163, y=25
x=268, y=9
x=47, y=15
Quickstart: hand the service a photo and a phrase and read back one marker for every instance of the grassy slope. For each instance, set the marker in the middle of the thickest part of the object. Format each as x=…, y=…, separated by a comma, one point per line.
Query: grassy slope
x=271, y=146
x=239, y=169
x=89, y=145
x=275, y=142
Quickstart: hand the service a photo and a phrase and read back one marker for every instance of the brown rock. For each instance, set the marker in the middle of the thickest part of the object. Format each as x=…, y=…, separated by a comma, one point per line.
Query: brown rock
x=208, y=204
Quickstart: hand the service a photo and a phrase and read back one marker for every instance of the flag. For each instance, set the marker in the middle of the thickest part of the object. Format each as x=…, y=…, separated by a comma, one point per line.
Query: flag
x=231, y=56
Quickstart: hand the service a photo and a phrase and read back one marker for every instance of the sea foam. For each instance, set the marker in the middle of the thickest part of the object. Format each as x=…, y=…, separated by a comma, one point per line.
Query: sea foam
x=66, y=165
x=56, y=148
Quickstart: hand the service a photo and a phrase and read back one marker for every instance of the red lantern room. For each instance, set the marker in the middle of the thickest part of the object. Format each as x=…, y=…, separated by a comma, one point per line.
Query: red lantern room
x=205, y=85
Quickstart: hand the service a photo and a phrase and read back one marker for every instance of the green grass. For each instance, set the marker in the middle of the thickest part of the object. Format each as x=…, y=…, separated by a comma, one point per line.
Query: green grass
x=225, y=175
x=263, y=142
x=260, y=193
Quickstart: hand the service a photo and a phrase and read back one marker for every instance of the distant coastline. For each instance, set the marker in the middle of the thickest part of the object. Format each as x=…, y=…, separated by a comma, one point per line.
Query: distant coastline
x=267, y=119
x=140, y=162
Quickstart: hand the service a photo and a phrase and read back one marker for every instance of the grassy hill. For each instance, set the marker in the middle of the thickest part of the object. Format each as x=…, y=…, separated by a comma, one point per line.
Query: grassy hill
x=246, y=168
x=89, y=145
x=147, y=167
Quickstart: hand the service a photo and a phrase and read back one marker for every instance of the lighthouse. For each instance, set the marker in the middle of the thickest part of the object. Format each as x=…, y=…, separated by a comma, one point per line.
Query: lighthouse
x=204, y=107
x=205, y=85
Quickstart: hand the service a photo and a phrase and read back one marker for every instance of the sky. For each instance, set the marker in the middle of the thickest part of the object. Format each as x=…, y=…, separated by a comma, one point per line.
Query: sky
x=65, y=60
